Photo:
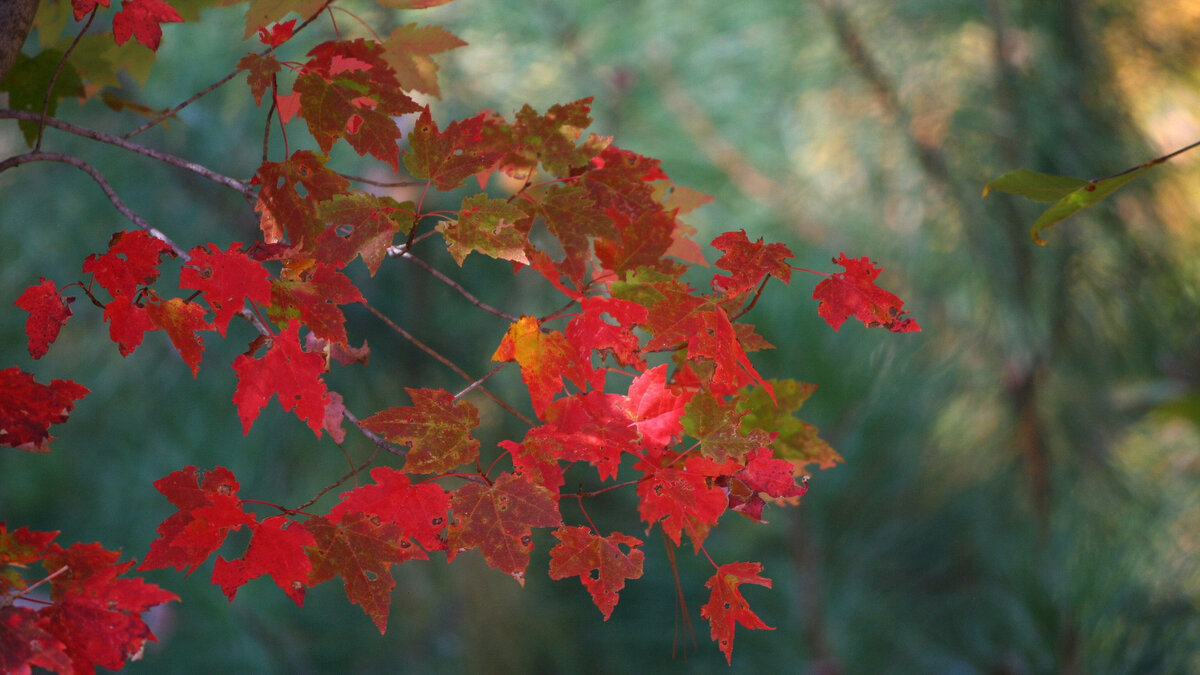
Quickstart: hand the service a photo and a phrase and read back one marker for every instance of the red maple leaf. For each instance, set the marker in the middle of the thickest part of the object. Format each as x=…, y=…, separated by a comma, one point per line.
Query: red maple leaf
x=209, y=509
x=140, y=19
x=278, y=34
x=127, y=323
x=314, y=300
x=592, y=427
x=599, y=562
x=286, y=370
x=348, y=91
x=447, y=157
x=655, y=410
x=27, y=408
x=437, y=427
x=97, y=613
x=537, y=456
x=681, y=496
x=763, y=475
x=48, y=312
x=641, y=240
x=748, y=262
x=588, y=331
x=545, y=359
x=276, y=548
x=24, y=644
x=853, y=293
x=181, y=319
x=131, y=261
x=572, y=216
x=498, y=520
x=420, y=510
x=260, y=73
x=227, y=279
x=361, y=551
x=726, y=607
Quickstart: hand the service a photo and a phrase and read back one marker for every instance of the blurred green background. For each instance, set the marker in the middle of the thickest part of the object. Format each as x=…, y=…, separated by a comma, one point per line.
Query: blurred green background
x=1021, y=490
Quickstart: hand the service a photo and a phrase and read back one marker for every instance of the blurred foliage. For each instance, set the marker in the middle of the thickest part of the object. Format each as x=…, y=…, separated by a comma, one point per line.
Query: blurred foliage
x=1020, y=487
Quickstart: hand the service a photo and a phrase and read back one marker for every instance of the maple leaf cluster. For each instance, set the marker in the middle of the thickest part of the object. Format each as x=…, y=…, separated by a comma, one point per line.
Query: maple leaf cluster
x=641, y=376
x=91, y=616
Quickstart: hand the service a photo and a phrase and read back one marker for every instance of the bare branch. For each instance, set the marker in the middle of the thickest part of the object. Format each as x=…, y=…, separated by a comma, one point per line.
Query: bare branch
x=195, y=168
x=402, y=252
x=90, y=170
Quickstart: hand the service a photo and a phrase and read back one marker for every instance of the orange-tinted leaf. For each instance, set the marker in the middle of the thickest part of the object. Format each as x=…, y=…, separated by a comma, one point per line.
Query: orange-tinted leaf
x=726, y=607
x=437, y=427
x=227, y=279
x=127, y=323
x=140, y=19
x=494, y=227
x=599, y=562
x=420, y=511
x=748, y=263
x=447, y=157
x=27, y=409
x=181, y=319
x=853, y=293
x=362, y=552
x=315, y=301
x=407, y=50
x=48, y=312
x=209, y=510
x=545, y=359
x=498, y=520
x=286, y=370
x=277, y=549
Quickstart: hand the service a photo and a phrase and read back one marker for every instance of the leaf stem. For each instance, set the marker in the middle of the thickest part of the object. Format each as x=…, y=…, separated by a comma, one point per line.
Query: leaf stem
x=54, y=78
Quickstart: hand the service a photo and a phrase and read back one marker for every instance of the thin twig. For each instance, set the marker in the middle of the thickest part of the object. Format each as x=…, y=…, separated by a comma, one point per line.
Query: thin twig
x=379, y=183
x=90, y=170
x=449, y=364
x=54, y=79
x=195, y=168
x=403, y=253
x=195, y=97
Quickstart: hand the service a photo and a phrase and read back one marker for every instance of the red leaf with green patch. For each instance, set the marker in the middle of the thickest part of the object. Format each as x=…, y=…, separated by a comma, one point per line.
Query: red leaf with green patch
x=437, y=428
x=314, y=300
x=498, y=520
x=347, y=91
x=371, y=224
x=447, y=157
x=494, y=227
x=362, y=552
